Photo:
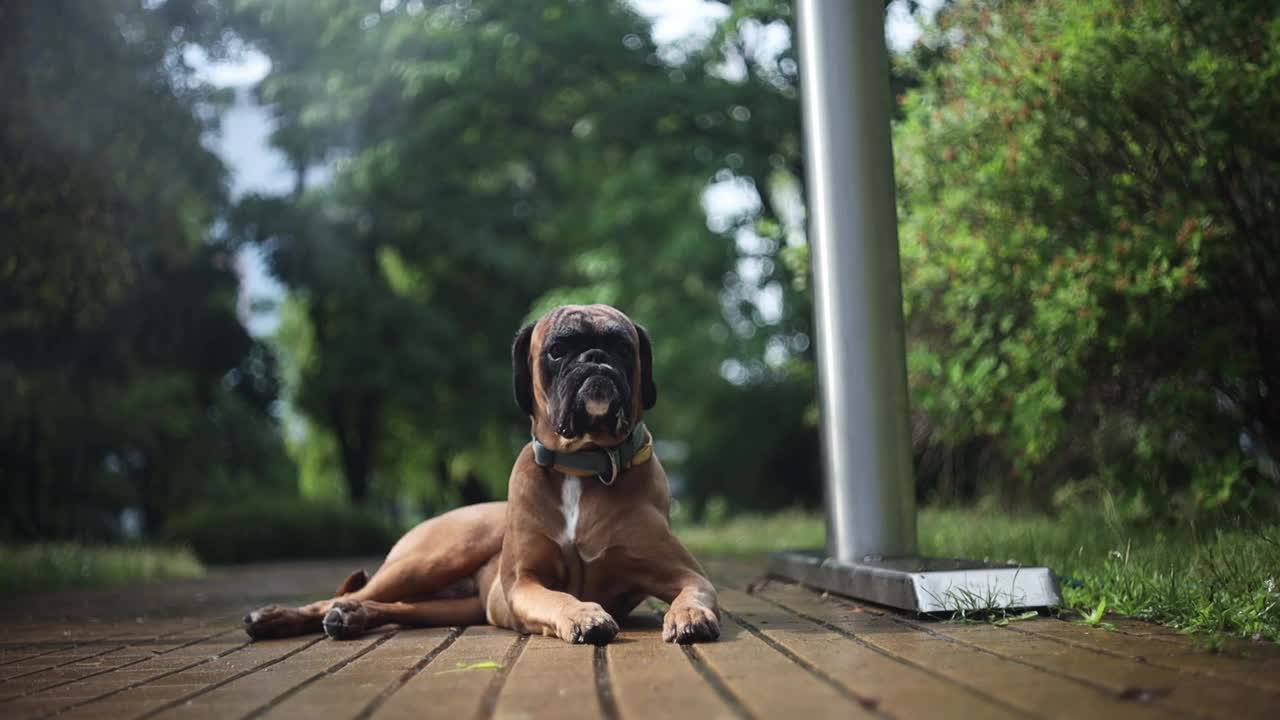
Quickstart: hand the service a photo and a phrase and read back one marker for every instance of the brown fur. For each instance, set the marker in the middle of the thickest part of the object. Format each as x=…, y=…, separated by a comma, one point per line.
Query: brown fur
x=510, y=564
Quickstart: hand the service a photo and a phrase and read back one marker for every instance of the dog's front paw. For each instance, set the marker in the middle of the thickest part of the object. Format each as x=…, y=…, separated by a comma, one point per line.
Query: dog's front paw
x=690, y=624
x=274, y=621
x=587, y=623
x=347, y=619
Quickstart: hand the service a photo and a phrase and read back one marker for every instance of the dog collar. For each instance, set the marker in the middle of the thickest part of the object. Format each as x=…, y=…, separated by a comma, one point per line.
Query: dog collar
x=604, y=463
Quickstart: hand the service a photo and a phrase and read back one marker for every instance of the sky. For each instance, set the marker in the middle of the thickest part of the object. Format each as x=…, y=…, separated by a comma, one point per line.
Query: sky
x=255, y=166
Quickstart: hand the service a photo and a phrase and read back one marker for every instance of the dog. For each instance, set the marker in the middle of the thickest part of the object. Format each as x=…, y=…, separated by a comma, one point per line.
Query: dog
x=584, y=536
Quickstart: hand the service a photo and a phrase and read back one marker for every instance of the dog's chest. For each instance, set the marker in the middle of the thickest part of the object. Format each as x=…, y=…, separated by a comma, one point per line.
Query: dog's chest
x=591, y=532
x=576, y=531
x=570, y=505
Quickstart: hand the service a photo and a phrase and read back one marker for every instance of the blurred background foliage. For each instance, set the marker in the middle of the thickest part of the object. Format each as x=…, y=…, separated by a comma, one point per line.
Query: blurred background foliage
x=1089, y=230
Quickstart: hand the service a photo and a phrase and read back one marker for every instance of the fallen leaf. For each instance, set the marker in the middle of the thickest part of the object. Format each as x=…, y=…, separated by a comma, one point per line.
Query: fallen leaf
x=482, y=665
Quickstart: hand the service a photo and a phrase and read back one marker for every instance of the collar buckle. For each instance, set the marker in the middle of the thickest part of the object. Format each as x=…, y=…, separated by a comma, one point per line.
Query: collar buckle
x=614, y=462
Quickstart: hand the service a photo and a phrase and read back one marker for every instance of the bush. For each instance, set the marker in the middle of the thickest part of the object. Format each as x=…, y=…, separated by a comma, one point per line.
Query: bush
x=44, y=566
x=279, y=529
x=1089, y=293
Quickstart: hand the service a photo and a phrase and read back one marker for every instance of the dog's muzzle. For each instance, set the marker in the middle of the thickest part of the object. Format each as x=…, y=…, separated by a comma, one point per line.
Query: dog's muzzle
x=592, y=398
x=598, y=396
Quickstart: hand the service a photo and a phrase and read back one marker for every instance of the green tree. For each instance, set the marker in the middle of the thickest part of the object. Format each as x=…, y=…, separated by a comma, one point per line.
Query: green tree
x=1089, y=233
x=499, y=158
x=492, y=153
x=127, y=379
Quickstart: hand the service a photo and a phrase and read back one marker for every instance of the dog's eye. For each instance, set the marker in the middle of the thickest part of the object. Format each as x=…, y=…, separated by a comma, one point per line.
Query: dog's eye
x=556, y=351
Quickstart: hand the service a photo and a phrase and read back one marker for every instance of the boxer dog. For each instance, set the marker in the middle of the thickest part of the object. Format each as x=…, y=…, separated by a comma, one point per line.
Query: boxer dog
x=584, y=535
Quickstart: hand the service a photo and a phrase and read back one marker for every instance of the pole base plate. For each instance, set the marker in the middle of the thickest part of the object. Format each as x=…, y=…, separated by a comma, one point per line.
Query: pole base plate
x=920, y=584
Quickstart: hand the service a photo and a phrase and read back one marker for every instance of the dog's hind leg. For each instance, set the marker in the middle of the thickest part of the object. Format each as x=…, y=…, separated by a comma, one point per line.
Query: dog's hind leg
x=429, y=560
x=403, y=583
x=437, y=554
x=349, y=619
x=274, y=621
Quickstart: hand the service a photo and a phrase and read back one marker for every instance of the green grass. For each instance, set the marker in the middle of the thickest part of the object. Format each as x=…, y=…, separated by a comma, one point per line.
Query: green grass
x=1218, y=580
x=748, y=534
x=45, y=566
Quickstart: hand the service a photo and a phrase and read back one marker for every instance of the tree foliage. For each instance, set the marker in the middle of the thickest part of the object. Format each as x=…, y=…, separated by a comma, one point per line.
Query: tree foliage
x=1088, y=224
x=126, y=378
x=1089, y=233
x=498, y=158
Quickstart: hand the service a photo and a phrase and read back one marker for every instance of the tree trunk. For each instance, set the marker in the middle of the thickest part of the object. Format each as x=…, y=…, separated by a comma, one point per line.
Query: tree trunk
x=356, y=432
x=473, y=491
x=444, y=479
x=355, y=471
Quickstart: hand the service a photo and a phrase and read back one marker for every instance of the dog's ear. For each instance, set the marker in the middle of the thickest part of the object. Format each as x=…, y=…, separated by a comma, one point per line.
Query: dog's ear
x=521, y=373
x=648, y=390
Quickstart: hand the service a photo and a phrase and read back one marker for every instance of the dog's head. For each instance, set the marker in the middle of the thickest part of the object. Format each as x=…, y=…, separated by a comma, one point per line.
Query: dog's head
x=584, y=373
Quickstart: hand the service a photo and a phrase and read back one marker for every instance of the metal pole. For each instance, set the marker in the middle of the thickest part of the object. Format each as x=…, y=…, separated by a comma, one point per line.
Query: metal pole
x=862, y=370
x=853, y=235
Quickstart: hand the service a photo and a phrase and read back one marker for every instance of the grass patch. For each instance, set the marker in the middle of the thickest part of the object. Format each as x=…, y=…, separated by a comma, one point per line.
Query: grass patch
x=1217, y=580
x=751, y=534
x=45, y=566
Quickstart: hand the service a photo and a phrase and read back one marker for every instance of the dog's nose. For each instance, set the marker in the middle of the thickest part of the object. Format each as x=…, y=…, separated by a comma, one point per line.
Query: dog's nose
x=599, y=357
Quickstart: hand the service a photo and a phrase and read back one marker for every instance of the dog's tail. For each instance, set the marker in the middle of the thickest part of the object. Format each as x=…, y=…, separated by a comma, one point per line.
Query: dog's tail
x=354, y=582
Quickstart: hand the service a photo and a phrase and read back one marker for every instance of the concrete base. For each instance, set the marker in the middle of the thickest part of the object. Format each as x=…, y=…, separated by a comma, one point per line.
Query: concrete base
x=925, y=585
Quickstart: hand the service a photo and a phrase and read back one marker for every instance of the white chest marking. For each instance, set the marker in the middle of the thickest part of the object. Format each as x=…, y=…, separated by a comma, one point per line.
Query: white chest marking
x=570, y=494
